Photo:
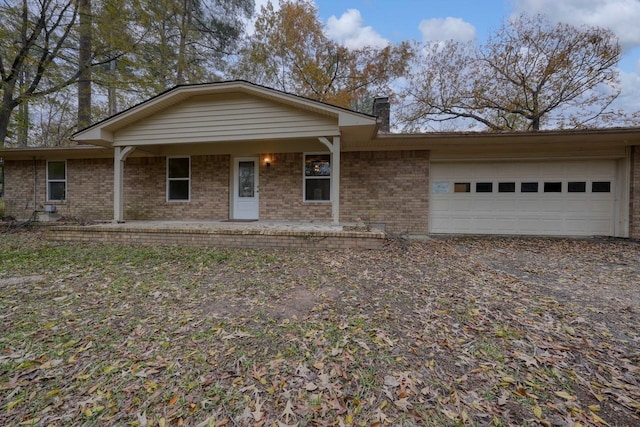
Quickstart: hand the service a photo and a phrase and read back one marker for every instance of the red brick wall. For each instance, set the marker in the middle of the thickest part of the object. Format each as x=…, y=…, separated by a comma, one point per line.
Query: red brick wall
x=388, y=187
x=145, y=196
x=634, y=202
x=281, y=191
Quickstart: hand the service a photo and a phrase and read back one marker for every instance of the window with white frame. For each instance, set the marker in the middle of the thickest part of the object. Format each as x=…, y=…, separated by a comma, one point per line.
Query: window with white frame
x=317, y=177
x=178, y=178
x=56, y=180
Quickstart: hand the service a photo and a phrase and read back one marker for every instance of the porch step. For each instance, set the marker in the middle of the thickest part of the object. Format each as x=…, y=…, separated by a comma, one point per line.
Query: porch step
x=219, y=236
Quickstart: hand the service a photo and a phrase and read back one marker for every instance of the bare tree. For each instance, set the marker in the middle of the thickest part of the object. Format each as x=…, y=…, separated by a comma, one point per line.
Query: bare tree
x=529, y=75
x=38, y=49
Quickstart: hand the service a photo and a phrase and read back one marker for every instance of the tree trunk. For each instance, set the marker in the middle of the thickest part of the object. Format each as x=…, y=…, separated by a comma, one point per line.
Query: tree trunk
x=113, y=102
x=84, y=80
x=182, y=49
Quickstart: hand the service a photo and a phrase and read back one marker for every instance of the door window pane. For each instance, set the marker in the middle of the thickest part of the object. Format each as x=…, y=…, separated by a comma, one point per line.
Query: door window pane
x=577, y=187
x=484, y=187
x=552, y=187
x=601, y=187
x=246, y=179
x=507, y=187
x=462, y=187
x=529, y=187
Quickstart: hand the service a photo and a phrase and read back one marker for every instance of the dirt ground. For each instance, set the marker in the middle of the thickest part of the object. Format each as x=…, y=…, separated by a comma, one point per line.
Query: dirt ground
x=455, y=331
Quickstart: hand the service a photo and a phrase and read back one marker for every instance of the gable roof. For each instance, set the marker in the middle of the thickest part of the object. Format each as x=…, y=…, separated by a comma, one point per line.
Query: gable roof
x=102, y=133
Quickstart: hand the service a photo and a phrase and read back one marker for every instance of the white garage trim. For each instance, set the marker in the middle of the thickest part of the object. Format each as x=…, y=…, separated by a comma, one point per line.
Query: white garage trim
x=552, y=197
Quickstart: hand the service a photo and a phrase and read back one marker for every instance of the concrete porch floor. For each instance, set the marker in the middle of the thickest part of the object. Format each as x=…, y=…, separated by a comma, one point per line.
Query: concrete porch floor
x=220, y=233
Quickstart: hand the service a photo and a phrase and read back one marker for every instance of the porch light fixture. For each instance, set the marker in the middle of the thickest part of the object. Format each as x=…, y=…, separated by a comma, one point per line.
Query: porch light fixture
x=267, y=162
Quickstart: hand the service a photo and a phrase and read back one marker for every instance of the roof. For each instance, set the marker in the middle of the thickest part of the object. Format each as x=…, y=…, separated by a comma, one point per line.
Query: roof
x=102, y=133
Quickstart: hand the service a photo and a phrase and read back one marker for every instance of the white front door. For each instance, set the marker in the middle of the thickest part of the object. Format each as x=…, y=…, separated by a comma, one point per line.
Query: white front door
x=245, y=188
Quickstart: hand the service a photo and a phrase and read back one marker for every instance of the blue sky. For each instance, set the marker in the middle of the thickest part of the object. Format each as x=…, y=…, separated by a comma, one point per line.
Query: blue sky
x=378, y=22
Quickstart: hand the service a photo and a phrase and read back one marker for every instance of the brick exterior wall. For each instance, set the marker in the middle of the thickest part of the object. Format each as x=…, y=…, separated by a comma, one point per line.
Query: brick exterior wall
x=19, y=187
x=281, y=191
x=372, y=185
x=634, y=197
x=386, y=187
x=89, y=189
x=145, y=196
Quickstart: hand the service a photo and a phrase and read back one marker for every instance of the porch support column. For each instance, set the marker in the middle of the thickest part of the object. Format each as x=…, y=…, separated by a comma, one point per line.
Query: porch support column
x=334, y=148
x=119, y=156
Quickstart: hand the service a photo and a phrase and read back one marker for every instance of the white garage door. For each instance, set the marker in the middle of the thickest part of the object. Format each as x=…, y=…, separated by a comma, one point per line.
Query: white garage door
x=572, y=198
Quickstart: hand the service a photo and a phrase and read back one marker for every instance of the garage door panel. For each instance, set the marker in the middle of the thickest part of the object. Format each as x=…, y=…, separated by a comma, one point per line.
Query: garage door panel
x=537, y=213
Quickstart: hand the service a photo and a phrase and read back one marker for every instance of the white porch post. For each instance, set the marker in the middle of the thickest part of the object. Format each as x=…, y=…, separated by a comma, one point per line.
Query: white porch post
x=334, y=148
x=119, y=156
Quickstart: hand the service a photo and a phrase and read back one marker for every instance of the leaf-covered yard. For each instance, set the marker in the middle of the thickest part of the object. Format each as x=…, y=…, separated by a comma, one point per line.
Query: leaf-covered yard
x=467, y=331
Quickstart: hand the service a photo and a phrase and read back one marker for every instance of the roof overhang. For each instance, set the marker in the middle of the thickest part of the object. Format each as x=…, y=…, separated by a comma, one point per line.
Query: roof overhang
x=470, y=142
x=54, y=153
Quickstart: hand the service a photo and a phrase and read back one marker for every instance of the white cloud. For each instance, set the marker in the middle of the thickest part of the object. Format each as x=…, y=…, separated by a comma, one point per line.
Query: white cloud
x=350, y=31
x=629, y=99
x=439, y=29
x=620, y=16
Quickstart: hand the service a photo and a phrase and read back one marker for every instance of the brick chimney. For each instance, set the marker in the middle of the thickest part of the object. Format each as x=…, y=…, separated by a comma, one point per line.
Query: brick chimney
x=382, y=110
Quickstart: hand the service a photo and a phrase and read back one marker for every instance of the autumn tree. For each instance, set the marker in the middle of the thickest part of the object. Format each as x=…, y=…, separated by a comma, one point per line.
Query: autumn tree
x=529, y=75
x=186, y=41
x=290, y=52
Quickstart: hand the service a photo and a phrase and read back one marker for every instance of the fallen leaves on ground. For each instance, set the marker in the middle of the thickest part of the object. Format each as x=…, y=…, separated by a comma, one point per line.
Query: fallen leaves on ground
x=465, y=331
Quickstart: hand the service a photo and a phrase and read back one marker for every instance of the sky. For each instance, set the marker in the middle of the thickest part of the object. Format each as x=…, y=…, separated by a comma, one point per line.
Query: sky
x=355, y=23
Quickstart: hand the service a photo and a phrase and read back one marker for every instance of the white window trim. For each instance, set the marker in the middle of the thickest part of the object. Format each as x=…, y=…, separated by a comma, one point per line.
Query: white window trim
x=188, y=199
x=49, y=199
x=305, y=177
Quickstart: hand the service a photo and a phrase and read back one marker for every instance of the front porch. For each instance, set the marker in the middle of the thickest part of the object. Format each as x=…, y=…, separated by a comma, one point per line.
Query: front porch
x=253, y=234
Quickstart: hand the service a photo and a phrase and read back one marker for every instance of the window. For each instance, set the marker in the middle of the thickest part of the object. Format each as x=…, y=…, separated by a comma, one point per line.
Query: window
x=577, y=187
x=178, y=178
x=317, y=177
x=462, y=187
x=56, y=180
x=484, y=187
x=601, y=187
x=528, y=187
x=506, y=187
x=553, y=187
